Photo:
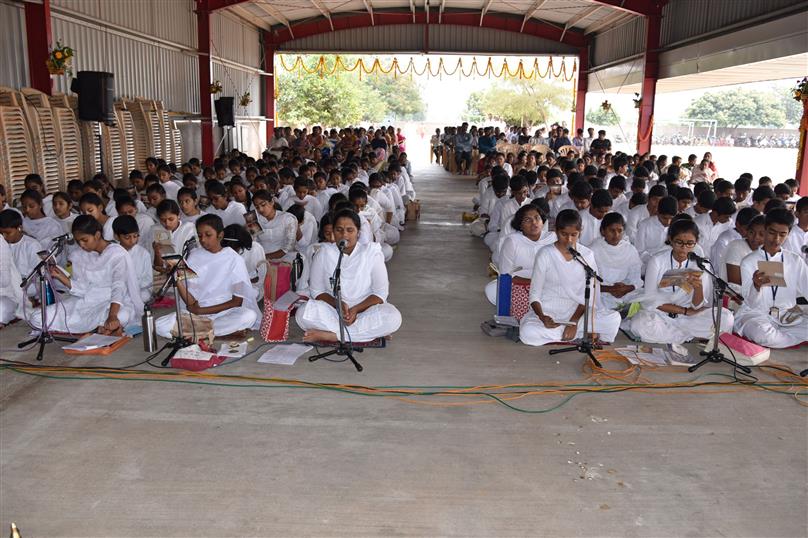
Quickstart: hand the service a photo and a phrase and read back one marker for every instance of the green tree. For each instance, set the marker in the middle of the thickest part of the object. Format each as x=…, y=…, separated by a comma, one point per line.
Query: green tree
x=524, y=102
x=737, y=108
x=791, y=107
x=602, y=118
x=474, y=113
x=311, y=99
x=400, y=95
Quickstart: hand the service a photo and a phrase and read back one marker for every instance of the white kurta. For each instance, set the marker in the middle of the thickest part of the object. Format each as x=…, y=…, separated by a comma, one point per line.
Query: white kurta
x=753, y=320
x=507, y=211
x=43, y=230
x=796, y=240
x=142, y=263
x=183, y=233
x=11, y=296
x=516, y=257
x=709, y=232
x=232, y=214
x=649, y=238
x=363, y=274
x=617, y=264
x=220, y=276
x=635, y=215
x=309, y=203
x=736, y=251
x=255, y=259
x=652, y=325
x=171, y=189
x=719, y=249
x=590, y=228
x=558, y=285
x=280, y=233
x=26, y=258
x=309, y=232
x=97, y=281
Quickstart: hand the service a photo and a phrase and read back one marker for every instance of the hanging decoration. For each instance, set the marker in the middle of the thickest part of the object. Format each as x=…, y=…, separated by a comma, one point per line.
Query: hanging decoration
x=245, y=99
x=60, y=60
x=216, y=87
x=433, y=69
x=606, y=106
x=637, y=100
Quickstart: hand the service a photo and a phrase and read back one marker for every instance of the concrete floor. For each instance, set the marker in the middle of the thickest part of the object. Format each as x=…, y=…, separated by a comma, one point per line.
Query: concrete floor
x=116, y=458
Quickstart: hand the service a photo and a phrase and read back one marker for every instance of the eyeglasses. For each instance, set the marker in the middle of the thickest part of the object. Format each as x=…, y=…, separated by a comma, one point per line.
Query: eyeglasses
x=688, y=244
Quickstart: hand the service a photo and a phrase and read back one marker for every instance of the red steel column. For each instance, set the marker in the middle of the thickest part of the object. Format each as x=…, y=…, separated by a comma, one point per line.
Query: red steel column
x=645, y=125
x=269, y=83
x=802, y=152
x=583, y=82
x=203, y=53
x=39, y=40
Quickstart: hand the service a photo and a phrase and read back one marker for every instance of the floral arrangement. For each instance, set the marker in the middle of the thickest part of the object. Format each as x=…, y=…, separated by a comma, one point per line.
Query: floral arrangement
x=801, y=90
x=59, y=60
x=606, y=106
x=245, y=99
x=216, y=87
x=637, y=100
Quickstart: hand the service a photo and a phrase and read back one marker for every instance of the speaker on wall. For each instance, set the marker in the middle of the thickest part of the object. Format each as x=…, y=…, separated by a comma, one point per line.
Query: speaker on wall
x=96, y=96
x=224, y=111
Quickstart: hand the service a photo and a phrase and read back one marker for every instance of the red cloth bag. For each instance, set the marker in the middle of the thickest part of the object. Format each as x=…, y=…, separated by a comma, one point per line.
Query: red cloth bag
x=275, y=321
x=278, y=280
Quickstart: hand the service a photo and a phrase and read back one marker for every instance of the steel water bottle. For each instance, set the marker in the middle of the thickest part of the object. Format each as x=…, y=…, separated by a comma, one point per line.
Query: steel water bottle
x=149, y=331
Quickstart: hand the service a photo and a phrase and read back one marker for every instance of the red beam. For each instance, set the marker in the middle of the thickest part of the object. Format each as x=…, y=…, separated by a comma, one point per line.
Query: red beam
x=214, y=5
x=645, y=128
x=203, y=54
x=495, y=21
x=39, y=40
x=802, y=152
x=583, y=83
x=269, y=83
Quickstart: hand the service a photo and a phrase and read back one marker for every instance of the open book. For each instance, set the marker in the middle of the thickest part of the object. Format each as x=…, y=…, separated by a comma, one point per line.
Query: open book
x=163, y=240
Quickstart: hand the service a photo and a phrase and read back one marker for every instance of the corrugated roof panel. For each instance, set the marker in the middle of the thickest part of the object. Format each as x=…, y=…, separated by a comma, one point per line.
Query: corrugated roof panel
x=235, y=40
x=685, y=19
x=621, y=42
x=13, y=49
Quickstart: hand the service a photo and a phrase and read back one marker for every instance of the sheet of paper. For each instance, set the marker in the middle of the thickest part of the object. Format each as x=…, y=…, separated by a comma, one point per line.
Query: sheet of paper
x=774, y=270
x=233, y=351
x=285, y=354
x=193, y=353
x=92, y=341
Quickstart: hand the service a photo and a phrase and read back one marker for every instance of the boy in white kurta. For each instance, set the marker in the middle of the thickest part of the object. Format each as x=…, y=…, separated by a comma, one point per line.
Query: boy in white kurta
x=591, y=217
x=127, y=233
x=673, y=315
x=35, y=223
x=11, y=296
x=365, y=286
x=221, y=291
x=24, y=248
x=762, y=317
x=557, y=292
x=653, y=231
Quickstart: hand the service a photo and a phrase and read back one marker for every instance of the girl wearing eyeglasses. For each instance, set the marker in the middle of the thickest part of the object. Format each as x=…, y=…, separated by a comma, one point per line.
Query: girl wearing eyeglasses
x=674, y=314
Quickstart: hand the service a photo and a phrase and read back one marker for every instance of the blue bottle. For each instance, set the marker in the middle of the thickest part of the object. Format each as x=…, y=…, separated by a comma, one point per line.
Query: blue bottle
x=49, y=298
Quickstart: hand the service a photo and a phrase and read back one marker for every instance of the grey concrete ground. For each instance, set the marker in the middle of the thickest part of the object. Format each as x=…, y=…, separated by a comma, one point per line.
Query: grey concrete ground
x=127, y=458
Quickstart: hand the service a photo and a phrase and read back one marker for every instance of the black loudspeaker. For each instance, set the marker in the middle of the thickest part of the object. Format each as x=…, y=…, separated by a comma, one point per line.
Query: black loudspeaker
x=96, y=96
x=224, y=111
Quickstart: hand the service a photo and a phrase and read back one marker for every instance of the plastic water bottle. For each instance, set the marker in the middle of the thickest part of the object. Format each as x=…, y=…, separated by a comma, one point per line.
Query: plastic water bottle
x=149, y=331
x=49, y=298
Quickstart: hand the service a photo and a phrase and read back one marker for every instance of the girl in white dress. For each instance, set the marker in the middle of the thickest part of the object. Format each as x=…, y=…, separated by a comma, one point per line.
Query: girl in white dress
x=326, y=236
x=518, y=251
x=618, y=261
x=92, y=205
x=278, y=229
x=365, y=286
x=674, y=315
x=63, y=210
x=103, y=289
x=557, y=291
x=24, y=248
x=221, y=290
x=35, y=223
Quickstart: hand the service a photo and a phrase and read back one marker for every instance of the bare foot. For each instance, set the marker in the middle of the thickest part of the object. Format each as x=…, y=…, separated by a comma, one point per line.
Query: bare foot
x=319, y=336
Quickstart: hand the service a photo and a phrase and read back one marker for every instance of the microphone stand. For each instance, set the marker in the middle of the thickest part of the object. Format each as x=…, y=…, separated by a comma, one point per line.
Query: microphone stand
x=720, y=288
x=44, y=336
x=585, y=345
x=180, y=341
x=342, y=349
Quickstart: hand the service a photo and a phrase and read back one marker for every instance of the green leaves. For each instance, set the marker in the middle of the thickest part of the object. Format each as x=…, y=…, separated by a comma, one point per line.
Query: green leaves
x=739, y=108
x=518, y=102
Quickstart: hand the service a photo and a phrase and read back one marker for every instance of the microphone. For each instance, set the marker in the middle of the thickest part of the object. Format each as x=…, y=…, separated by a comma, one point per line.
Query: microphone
x=574, y=252
x=693, y=257
x=63, y=237
x=804, y=249
x=189, y=244
x=342, y=244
